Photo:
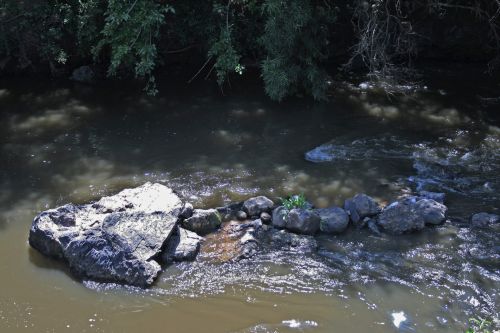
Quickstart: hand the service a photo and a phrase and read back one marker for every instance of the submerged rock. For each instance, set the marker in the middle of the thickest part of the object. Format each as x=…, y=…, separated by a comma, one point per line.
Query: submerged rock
x=439, y=197
x=333, y=219
x=284, y=240
x=481, y=220
x=115, y=239
x=182, y=246
x=203, y=221
x=255, y=206
x=302, y=221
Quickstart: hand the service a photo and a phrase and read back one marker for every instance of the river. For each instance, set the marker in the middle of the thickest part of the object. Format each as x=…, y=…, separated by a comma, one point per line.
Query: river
x=61, y=142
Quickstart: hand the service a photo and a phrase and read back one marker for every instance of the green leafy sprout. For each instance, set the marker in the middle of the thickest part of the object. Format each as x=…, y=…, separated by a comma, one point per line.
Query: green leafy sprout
x=295, y=201
x=479, y=325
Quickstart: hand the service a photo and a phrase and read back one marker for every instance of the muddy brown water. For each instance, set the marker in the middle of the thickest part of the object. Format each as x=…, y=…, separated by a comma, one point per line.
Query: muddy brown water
x=61, y=143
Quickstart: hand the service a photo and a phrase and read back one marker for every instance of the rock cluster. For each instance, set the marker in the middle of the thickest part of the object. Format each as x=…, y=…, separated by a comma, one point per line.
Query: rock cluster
x=126, y=237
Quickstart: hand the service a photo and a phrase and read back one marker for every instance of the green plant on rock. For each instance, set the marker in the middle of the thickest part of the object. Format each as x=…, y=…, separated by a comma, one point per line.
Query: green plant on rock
x=295, y=201
x=479, y=325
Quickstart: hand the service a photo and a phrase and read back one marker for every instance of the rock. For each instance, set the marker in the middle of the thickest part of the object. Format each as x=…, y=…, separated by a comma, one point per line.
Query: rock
x=203, y=221
x=481, y=220
x=241, y=215
x=432, y=211
x=333, y=219
x=303, y=221
x=187, y=211
x=439, y=197
x=372, y=225
x=280, y=215
x=231, y=210
x=283, y=240
x=265, y=217
x=361, y=206
x=115, y=239
x=401, y=217
x=83, y=74
x=183, y=246
x=255, y=206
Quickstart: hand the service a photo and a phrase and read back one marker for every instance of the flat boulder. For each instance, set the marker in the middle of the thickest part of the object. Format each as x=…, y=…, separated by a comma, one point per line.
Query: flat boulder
x=203, y=221
x=333, y=219
x=257, y=205
x=115, y=239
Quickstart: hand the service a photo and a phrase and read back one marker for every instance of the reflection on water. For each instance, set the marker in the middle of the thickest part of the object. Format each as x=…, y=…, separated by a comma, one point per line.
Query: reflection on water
x=76, y=144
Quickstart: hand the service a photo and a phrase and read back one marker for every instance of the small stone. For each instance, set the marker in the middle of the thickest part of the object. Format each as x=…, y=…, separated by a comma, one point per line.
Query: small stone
x=203, y=221
x=255, y=206
x=241, y=215
x=183, y=246
x=265, y=217
x=187, y=211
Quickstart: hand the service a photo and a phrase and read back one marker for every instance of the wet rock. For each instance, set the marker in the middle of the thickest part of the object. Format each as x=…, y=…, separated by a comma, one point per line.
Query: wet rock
x=372, y=225
x=115, y=239
x=303, y=221
x=265, y=217
x=203, y=221
x=283, y=240
x=83, y=74
x=333, y=219
x=481, y=220
x=241, y=215
x=401, y=217
x=183, y=246
x=187, y=211
x=439, y=197
x=231, y=210
x=255, y=206
x=361, y=206
x=280, y=215
x=432, y=211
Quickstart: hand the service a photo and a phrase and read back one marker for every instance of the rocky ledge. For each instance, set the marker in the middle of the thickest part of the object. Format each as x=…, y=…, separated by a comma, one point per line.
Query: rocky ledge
x=127, y=237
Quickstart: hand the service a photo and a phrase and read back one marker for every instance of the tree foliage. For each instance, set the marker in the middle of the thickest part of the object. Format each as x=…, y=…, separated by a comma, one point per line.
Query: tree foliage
x=293, y=43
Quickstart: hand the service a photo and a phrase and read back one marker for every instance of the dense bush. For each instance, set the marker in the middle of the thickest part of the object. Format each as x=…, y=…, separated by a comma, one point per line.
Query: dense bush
x=294, y=43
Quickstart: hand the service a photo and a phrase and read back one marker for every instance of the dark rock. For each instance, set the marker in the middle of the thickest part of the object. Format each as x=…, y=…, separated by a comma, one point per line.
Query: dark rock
x=255, y=206
x=361, y=206
x=481, y=220
x=187, y=211
x=401, y=217
x=372, y=225
x=241, y=215
x=231, y=209
x=303, y=221
x=183, y=246
x=439, y=197
x=203, y=221
x=265, y=217
x=333, y=219
x=280, y=215
x=432, y=211
x=116, y=239
x=283, y=240
x=83, y=74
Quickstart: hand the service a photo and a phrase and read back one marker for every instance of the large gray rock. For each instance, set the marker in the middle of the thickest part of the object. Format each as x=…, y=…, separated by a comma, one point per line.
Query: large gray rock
x=401, y=217
x=303, y=221
x=255, y=206
x=203, y=221
x=184, y=245
x=361, y=206
x=432, y=211
x=481, y=220
x=333, y=219
x=115, y=239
